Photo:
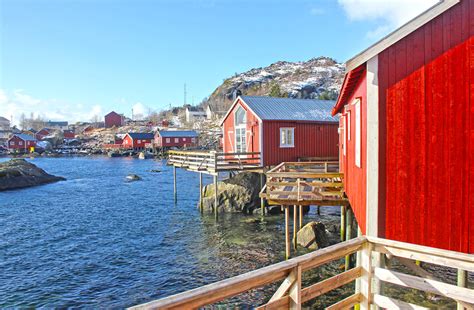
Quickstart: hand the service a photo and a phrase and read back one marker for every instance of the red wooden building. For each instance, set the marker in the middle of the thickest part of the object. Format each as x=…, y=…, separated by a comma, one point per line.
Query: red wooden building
x=176, y=138
x=407, y=139
x=69, y=134
x=136, y=140
x=113, y=119
x=43, y=133
x=281, y=129
x=21, y=143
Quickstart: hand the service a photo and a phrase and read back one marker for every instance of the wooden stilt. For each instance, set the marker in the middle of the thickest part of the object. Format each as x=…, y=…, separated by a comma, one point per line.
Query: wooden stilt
x=174, y=184
x=358, y=264
x=215, y=197
x=295, y=227
x=287, y=232
x=462, y=282
x=201, y=207
x=343, y=223
x=348, y=235
x=262, y=202
x=319, y=210
x=301, y=216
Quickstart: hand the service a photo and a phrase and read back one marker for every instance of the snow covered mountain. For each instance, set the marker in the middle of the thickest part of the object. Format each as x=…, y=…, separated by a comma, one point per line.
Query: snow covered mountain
x=316, y=78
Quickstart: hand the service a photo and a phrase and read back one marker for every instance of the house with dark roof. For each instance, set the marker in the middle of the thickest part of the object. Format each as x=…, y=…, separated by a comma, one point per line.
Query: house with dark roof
x=137, y=140
x=21, y=143
x=281, y=129
x=176, y=138
x=114, y=119
x=62, y=125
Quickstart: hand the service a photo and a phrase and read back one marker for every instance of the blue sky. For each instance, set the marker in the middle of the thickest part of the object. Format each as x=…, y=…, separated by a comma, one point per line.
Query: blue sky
x=72, y=59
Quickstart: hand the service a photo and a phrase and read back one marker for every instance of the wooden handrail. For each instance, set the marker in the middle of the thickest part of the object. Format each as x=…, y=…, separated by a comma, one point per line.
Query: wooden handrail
x=292, y=294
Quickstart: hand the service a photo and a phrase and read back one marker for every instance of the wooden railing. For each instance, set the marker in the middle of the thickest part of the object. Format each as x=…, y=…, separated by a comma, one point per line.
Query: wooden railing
x=368, y=274
x=213, y=161
x=305, y=183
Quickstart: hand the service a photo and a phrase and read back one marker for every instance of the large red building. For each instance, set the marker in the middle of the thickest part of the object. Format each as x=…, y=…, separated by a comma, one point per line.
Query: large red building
x=21, y=143
x=176, y=138
x=113, y=119
x=407, y=139
x=280, y=129
x=137, y=141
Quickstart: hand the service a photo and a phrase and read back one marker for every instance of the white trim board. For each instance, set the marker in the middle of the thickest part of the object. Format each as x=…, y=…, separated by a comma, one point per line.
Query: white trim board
x=372, y=145
x=400, y=33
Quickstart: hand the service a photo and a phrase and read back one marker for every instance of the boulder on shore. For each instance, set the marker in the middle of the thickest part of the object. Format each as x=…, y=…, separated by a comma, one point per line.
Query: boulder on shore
x=237, y=194
x=133, y=177
x=19, y=173
x=313, y=236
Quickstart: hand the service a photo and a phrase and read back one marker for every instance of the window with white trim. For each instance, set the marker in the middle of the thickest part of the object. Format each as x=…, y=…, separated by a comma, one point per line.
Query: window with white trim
x=348, y=125
x=168, y=140
x=344, y=146
x=176, y=140
x=12, y=143
x=20, y=142
x=193, y=140
x=184, y=139
x=287, y=137
x=357, y=126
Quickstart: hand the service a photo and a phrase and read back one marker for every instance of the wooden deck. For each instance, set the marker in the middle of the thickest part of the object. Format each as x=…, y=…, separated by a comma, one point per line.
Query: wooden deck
x=305, y=183
x=369, y=273
x=212, y=162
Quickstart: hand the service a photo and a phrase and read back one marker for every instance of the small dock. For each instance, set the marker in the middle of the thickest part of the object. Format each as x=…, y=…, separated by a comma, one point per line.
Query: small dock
x=298, y=184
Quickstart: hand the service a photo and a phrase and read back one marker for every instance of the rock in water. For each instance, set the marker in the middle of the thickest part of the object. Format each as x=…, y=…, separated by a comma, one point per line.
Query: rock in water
x=313, y=236
x=18, y=173
x=133, y=177
x=237, y=194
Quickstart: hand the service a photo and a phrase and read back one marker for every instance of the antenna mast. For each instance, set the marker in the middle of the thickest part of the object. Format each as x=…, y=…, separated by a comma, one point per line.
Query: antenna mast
x=185, y=93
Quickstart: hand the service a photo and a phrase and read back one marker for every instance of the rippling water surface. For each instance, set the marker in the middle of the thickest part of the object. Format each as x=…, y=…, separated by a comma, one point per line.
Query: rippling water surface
x=98, y=241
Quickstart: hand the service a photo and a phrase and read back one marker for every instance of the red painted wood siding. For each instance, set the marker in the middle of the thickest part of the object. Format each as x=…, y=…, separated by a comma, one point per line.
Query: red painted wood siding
x=113, y=119
x=14, y=144
x=426, y=90
x=311, y=140
x=355, y=178
x=137, y=144
x=253, y=131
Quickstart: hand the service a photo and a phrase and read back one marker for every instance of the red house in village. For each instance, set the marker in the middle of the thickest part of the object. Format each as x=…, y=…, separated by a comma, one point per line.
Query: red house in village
x=113, y=119
x=69, y=134
x=407, y=117
x=43, y=133
x=21, y=143
x=176, y=138
x=281, y=129
x=136, y=140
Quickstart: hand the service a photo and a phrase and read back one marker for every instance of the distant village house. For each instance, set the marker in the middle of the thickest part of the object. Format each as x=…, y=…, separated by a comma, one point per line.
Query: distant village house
x=43, y=133
x=21, y=143
x=69, y=134
x=176, y=138
x=137, y=141
x=57, y=125
x=195, y=114
x=5, y=129
x=114, y=119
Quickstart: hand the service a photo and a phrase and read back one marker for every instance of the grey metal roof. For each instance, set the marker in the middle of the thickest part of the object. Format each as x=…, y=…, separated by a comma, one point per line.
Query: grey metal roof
x=288, y=109
x=178, y=133
x=141, y=135
x=25, y=137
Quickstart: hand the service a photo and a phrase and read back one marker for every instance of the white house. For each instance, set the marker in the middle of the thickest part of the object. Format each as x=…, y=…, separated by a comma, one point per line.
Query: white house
x=194, y=114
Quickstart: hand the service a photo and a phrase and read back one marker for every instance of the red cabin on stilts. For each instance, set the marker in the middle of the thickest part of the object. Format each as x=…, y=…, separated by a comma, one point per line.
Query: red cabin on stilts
x=407, y=140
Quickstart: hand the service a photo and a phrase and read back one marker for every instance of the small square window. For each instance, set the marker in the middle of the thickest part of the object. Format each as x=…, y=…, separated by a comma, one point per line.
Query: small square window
x=176, y=140
x=287, y=137
x=168, y=140
x=193, y=140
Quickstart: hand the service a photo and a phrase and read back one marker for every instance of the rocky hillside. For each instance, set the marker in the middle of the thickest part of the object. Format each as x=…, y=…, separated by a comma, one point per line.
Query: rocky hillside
x=316, y=78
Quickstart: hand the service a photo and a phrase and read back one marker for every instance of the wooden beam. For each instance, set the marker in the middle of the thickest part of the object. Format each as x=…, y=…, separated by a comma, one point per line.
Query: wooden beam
x=431, y=286
x=346, y=303
x=295, y=227
x=201, y=205
x=287, y=233
x=216, y=207
x=462, y=282
x=174, y=184
x=294, y=293
x=284, y=286
x=392, y=303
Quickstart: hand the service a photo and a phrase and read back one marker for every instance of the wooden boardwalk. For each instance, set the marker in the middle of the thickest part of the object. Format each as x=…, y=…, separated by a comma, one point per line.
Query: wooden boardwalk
x=368, y=275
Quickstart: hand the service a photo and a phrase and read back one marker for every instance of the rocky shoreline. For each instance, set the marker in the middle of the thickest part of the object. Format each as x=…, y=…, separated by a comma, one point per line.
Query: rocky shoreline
x=19, y=173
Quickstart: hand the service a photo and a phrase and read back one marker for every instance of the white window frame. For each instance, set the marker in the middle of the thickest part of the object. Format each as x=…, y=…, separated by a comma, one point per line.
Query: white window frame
x=168, y=140
x=349, y=125
x=193, y=140
x=358, y=129
x=20, y=142
x=176, y=140
x=344, y=146
x=12, y=143
x=290, y=132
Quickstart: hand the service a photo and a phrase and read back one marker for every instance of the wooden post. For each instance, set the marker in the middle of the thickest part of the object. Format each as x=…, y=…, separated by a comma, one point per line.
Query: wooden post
x=319, y=210
x=295, y=290
x=348, y=235
x=358, y=264
x=462, y=282
x=215, y=195
x=343, y=223
x=287, y=232
x=174, y=183
x=201, y=207
x=301, y=217
x=262, y=202
x=295, y=227
x=366, y=278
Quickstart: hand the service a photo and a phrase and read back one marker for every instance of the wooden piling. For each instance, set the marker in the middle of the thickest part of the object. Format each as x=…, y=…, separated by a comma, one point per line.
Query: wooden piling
x=348, y=235
x=343, y=223
x=301, y=216
x=174, y=183
x=462, y=282
x=287, y=233
x=201, y=207
x=295, y=227
x=262, y=202
x=215, y=196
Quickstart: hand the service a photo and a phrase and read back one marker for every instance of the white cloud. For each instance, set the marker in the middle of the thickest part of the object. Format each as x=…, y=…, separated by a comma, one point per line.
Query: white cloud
x=388, y=14
x=17, y=102
x=140, y=110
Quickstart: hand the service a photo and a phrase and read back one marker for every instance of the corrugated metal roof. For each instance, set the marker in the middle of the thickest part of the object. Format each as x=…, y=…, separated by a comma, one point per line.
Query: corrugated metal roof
x=288, y=109
x=178, y=133
x=141, y=135
x=25, y=137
